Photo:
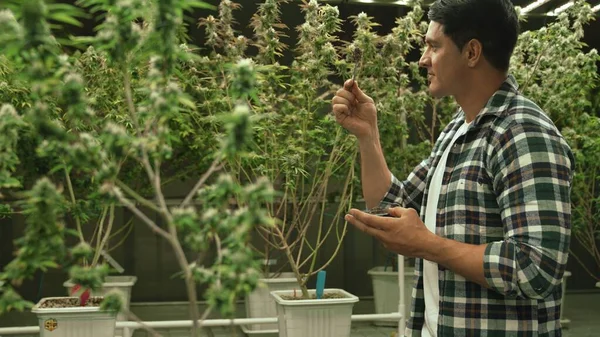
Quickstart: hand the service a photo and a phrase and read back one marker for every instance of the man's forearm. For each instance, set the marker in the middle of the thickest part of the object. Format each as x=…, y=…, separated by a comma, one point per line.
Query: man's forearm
x=461, y=258
x=375, y=175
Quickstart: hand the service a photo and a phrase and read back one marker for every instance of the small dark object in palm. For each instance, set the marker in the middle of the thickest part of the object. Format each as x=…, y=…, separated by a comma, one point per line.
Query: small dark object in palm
x=381, y=211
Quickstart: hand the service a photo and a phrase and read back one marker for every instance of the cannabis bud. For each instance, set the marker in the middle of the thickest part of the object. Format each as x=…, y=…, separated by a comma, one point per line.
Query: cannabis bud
x=244, y=80
x=356, y=56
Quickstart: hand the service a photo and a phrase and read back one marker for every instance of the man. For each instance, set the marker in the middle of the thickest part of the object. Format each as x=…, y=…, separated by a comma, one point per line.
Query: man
x=487, y=215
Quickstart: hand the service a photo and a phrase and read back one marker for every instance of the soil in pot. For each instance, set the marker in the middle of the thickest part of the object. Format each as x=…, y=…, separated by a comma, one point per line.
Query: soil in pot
x=313, y=296
x=70, y=302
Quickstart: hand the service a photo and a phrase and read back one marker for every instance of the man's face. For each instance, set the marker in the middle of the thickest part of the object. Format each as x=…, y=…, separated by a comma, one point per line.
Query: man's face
x=443, y=61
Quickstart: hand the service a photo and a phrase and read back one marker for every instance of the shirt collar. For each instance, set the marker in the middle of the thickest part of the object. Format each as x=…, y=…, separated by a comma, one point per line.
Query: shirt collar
x=498, y=102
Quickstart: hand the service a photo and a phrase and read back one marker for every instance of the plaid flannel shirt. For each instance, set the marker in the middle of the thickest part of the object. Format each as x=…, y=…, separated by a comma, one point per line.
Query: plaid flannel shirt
x=506, y=185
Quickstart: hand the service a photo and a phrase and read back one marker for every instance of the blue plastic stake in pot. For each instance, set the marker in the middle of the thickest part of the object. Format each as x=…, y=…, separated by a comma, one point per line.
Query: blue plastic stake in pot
x=320, y=283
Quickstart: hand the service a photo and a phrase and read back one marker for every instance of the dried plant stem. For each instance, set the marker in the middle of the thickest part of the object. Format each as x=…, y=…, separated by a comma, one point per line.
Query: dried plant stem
x=288, y=252
x=584, y=266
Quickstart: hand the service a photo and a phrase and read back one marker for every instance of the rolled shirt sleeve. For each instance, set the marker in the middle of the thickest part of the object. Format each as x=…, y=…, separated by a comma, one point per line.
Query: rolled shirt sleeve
x=531, y=166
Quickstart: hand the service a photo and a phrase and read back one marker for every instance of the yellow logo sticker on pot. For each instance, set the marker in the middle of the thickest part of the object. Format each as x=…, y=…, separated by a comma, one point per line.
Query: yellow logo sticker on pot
x=50, y=324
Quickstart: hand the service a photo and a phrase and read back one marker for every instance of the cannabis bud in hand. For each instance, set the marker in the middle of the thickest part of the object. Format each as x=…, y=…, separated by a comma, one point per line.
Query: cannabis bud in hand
x=356, y=56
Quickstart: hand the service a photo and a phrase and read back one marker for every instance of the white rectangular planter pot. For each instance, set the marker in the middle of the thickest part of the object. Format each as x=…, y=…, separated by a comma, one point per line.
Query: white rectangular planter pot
x=312, y=317
x=119, y=282
x=74, y=322
x=386, y=293
x=261, y=304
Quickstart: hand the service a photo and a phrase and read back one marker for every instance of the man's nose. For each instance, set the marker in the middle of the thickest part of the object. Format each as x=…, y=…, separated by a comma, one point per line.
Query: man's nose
x=424, y=60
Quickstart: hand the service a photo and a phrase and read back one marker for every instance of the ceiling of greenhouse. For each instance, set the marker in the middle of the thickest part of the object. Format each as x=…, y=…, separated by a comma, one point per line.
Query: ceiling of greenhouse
x=532, y=7
x=539, y=12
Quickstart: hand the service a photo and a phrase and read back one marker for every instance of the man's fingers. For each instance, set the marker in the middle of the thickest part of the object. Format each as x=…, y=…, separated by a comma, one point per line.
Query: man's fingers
x=352, y=86
x=371, y=220
x=401, y=211
x=396, y=211
x=363, y=227
x=349, y=84
x=343, y=93
x=340, y=110
x=340, y=100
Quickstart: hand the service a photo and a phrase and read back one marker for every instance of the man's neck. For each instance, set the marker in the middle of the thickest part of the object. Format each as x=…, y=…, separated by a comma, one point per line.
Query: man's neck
x=478, y=91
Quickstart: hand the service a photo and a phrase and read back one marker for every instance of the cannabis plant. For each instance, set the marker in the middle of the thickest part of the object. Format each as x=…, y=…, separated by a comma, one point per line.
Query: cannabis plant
x=92, y=149
x=409, y=119
x=297, y=144
x=584, y=138
x=553, y=69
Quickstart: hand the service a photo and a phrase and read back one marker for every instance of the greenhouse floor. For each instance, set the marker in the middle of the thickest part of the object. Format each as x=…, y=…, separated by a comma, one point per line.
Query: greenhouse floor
x=583, y=311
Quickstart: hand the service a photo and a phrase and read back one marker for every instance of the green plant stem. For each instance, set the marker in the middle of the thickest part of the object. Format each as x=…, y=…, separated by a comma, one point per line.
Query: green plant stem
x=146, y=327
x=129, y=205
x=346, y=193
x=74, y=201
x=129, y=227
x=111, y=219
x=143, y=201
x=535, y=66
x=189, y=278
x=207, y=312
x=320, y=194
x=100, y=228
x=319, y=234
x=179, y=253
x=132, y=114
x=172, y=235
x=160, y=196
x=96, y=229
x=213, y=168
x=129, y=98
x=267, y=231
x=337, y=249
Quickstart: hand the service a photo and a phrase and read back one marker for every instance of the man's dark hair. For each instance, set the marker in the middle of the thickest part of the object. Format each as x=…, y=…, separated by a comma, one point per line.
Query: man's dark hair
x=494, y=23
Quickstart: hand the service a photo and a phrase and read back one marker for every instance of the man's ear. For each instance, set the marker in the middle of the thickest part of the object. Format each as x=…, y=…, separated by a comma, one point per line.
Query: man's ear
x=473, y=51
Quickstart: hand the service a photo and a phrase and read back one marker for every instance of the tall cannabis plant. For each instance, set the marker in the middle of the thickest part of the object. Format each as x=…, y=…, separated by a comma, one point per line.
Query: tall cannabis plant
x=297, y=145
x=92, y=149
x=554, y=69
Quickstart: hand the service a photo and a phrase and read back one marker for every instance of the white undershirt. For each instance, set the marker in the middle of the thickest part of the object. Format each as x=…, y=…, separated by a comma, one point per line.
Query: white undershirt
x=430, y=269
